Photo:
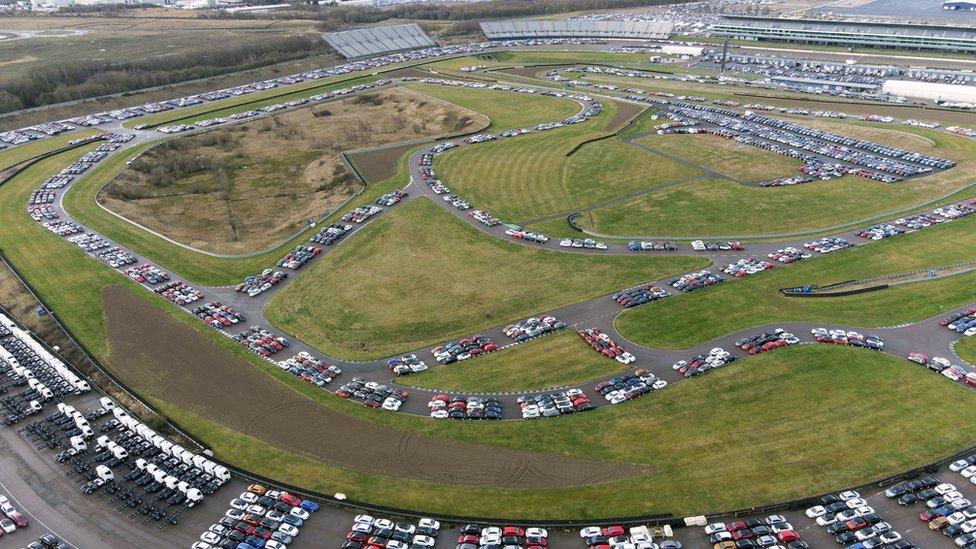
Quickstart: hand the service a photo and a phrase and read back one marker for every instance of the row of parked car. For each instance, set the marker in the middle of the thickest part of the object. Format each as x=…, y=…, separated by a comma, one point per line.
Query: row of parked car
x=443, y=406
x=601, y=343
x=942, y=365
x=258, y=519
x=298, y=257
x=330, y=234
x=773, y=531
x=147, y=274
x=554, y=404
x=828, y=244
x=256, y=285
x=406, y=365
x=63, y=228
x=116, y=257
x=695, y=281
x=766, y=341
x=532, y=327
x=652, y=245
x=369, y=532
x=473, y=536
x=715, y=246
x=853, y=522
x=962, y=322
x=260, y=341
x=636, y=537
x=918, y=221
x=949, y=513
x=310, y=369
x=847, y=337
x=747, y=266
x=463, y=349
x=639, y=295
x=373, y=394
x=629, y=386
x=179, y=292
x=704, y=362
x=587, y=243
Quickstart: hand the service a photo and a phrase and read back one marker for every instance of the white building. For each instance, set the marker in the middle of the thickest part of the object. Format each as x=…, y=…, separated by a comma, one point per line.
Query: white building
x=931, y=90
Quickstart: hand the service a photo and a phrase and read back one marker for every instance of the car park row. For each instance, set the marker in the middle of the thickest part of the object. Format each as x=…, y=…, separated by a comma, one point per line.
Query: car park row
x=259, y=518
x=368, y=532
x=918, y=221
x=773, y=531
x=444, y=406
x=853, y=522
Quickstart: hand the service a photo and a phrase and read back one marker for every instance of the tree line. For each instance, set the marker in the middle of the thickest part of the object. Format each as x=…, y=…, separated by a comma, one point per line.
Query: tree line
x=70, y=81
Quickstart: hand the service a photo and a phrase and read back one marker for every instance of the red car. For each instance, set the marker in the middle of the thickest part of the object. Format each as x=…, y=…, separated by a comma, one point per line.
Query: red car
x=513, y=531
x=468, y=538
x=788, y=536
x=290, y=499
x=19, y=520
x=734, y=526
x=612, y=531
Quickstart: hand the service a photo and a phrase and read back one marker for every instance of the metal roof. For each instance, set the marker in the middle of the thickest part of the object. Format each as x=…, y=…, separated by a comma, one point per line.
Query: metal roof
x=377, y=40
x=853, y=27
x=575, y=28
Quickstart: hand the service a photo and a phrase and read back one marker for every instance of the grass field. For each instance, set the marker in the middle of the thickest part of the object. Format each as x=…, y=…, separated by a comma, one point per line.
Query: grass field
x=417, y=276
x=967, y=349
x=248, y=186
x=514, y=58
x=724, y=156
x=529, y=177
x=717, y=207
x=689, y=319
x=507, y=110
x=553, y=361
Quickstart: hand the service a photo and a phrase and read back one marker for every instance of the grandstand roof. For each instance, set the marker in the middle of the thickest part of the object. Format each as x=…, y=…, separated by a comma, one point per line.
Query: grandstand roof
x=570, y=28
x=377, y=40
x=852, y=27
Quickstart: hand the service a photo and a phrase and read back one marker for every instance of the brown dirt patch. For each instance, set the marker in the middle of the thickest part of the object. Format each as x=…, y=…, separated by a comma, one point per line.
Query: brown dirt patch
x=625, y=111
x=249, y=186
x=160, y=356
x=380, y=164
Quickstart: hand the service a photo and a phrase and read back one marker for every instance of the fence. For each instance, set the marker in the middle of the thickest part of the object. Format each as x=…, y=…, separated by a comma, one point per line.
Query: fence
x=835, y=289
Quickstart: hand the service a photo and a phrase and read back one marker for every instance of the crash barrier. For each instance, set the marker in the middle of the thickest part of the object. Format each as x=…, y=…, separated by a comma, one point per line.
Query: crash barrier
x=818, y=291
x=836, y=289
x=91, y=358
x=571, y=219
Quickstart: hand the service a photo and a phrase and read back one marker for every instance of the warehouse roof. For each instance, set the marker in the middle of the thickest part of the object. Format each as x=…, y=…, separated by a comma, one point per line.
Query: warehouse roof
x=377, y=40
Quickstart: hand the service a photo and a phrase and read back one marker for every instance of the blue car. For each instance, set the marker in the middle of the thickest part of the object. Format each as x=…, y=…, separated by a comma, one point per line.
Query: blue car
x=634, y=246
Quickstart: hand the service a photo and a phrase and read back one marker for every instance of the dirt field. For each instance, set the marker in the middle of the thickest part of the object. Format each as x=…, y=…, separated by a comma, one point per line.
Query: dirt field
x=249, y=186
x=160, y=356
x=625, y=111
x=380, y=164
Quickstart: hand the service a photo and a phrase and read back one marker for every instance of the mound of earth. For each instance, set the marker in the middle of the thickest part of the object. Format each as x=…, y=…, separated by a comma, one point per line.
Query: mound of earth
x=246, y=187
x=162, y=357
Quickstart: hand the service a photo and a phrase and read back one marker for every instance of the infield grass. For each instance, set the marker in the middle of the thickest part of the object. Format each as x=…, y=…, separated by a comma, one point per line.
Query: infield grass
x=12, y=156
x=418, y=276
x=557, y=360
x=507, y=110
x=686, y=320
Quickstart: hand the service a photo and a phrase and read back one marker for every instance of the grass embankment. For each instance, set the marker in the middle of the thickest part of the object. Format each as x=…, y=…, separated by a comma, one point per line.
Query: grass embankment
x=717, y=207
x=531, y=176
x=418, y=276
x=689, y=319
x=724, y=156
x=554, y=361
x=80, y=201
x=772, y=403
x=507, y=110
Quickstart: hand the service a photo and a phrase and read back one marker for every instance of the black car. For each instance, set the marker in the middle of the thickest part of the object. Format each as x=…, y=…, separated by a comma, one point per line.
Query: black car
x=907, y=499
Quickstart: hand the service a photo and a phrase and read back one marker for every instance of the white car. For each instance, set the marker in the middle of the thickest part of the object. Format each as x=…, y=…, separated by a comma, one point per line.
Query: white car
x=201, y=545
x=298, y=512
x=956, y=518
x=590, y=531
x=248, y=497
x=945, y=488
x=826, y=520
x=716, y=527
x=239, y=504
x=8, y=526
x=439, y=414
x=566, y=242
x=855, y=502
x=392, y=404
x=958, y=465
x=288, y=529
x=210, y=537
x=256, y=509
x=951, y=374
x=968, y=471
x=816, y=511
x=429, y=524
x=423, y=541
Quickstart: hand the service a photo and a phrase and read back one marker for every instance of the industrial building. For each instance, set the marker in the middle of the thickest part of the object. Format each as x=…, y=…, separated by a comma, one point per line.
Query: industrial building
x=933, y=91
x=378, y=40
x=848, y=33
x=577, y=28
x=818, y=84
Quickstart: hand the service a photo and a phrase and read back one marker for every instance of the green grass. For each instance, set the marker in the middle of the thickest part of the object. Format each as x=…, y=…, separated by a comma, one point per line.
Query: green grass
x=418, y=276
x=773, y=403
x=554, y=361
x=515, y=58
x=686, y=320
x=15, y=155
x=725, y=156
x=507, y=110
x=967, y=349
x=722, y=207
x=531, y=176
